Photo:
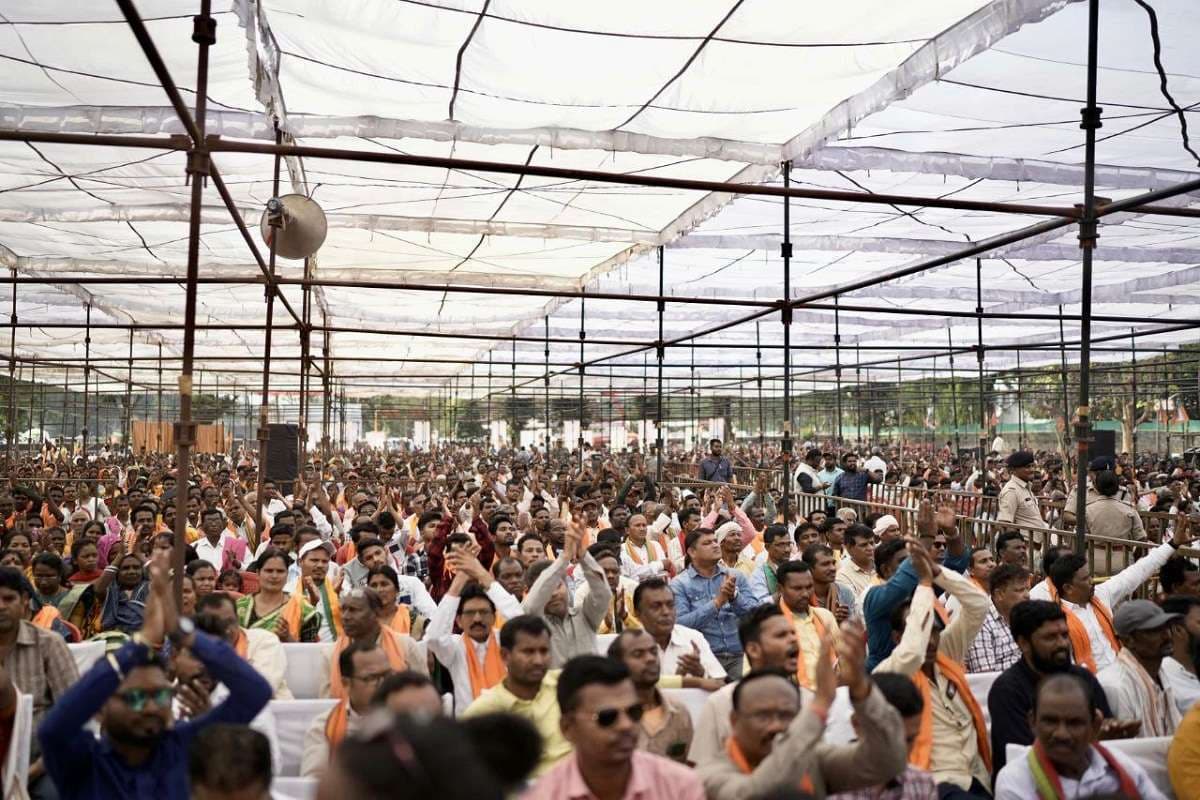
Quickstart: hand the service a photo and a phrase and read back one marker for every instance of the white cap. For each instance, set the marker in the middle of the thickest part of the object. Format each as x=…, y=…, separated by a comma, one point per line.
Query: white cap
x=324, y=544
x=728, y=529
x=885, y=522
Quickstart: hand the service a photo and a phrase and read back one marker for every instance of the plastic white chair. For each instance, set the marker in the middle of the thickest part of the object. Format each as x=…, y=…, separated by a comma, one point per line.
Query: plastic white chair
x=293, y=718
x=294, y=789
x=304, y=668
x=86, y=654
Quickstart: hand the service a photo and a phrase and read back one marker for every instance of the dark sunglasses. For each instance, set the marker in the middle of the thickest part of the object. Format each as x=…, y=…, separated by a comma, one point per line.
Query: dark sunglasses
x=136, y=699
x=607, y=717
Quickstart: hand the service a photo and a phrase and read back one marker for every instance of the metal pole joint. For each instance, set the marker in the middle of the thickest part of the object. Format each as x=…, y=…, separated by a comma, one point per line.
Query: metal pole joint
x=204, y=29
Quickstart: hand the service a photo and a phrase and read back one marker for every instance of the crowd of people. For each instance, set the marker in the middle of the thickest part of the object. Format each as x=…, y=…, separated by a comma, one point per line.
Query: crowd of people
x=516, y=622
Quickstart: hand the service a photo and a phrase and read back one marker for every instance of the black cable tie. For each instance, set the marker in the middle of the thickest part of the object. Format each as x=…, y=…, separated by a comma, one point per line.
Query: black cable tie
x=785, y=250
x=1090, y=118
x=204, y=29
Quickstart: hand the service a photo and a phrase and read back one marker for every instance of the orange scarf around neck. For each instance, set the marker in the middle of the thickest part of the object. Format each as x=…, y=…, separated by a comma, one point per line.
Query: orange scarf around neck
x=734, y=751
x=922, y=751
x=387, y=640
x=335, y=726
x=401, y=621
x=490, y=672
x=242, y=645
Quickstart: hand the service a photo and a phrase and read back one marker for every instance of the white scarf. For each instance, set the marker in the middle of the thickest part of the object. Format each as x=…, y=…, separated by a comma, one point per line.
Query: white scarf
x=1160, y=712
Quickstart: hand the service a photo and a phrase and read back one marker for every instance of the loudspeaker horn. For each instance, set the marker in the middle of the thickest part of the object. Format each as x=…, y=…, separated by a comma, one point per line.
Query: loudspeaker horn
x=301, y=226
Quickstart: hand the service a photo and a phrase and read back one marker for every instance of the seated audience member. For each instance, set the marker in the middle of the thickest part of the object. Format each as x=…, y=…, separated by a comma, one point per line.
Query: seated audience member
x=1134, y=683
x=229, y=762
x=913, y=782
x=856, y=572
x=756, y=758
x=827, y=592
x=600, y=714
x=953, y=740
x=1039, y=628
x=778, y=548
x=665, y=728
x=994, y=648
x=573, y=630
x=360, y=623
x=408, y=692
x=472, y=602
x=1179, y=668
x=363, y=666
x=620, y=614
x=1088, y=606
x=216, y=614
x=141, y=754
x=1065, y=760
x=810, y=623
x=402, y=757
x=528, y=688
x=683, y=652
x=1179, y=576
x=770, y=642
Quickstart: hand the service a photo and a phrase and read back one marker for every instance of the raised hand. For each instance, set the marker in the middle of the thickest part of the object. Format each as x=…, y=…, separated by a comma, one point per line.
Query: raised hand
x=825, y=682
x=852, y=659
x=689, y=663
x=926, y=521
x=947, y=520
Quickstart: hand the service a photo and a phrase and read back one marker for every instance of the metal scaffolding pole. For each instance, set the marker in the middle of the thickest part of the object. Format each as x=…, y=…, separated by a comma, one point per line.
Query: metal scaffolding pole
x=326, y=395
x=1090, y=115
x=274, y=223
x=305, y=361
x=489, y=401
x=954, y=393
x=87, y=369
x=11, y=428
x=1020, y=407
x=129, y=399
x=514, y=430
x=545, y=381
x=983, y=413
x=785, y=314
x=582, y=368
x=1134, y=382
x=32, y=390
x=660, y=352
x=158, y=438
x=762, y=430
x=1062, y=378
x=837, y=367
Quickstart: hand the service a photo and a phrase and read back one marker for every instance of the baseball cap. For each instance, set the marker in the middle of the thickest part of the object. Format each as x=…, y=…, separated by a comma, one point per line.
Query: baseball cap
x=1140, y=615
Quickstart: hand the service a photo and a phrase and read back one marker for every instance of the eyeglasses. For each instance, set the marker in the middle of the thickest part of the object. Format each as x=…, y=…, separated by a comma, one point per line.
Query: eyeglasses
x=136, y=699
x=374, y=677
x=607, y=717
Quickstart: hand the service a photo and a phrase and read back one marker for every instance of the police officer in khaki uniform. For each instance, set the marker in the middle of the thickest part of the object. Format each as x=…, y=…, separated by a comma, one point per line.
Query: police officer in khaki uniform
x=1095, y=466
x=1017, y=503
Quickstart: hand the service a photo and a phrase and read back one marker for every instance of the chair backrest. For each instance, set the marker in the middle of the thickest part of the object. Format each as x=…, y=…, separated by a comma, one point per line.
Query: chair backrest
x=603, y=642
x=981, y=686
x=16, y=760
x=294, y=789
x=304, y=669
x=293, y=718
x=86, y=654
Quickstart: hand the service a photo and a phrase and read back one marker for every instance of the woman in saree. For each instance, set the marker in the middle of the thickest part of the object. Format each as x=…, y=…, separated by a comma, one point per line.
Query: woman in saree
x=400, y=617
x=80, y=607
x=292, y=619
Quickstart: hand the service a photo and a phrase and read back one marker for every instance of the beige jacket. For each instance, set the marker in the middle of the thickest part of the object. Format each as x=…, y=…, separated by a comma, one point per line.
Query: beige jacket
x=879, y=755
x=265, y=654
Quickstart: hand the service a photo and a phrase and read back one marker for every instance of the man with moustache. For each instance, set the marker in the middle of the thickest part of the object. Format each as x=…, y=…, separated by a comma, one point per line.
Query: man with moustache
x=665, y=728
x=1040, y=630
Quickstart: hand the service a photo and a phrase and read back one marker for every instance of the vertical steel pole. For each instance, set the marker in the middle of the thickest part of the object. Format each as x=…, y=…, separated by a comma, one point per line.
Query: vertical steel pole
x=274, y=223
x=582, y=368
x=87, y=369
x=837, y=368
x=695, y=425
x=545, y=380
x=305, y=346
x=489, y=403
x=762, y=428
x=1133, y=350
x=32, y=389
x=983, y=412
x=858, y=408
x=158, y=437
x=1062, y=355
x=128, y=436
x=326, y=399
x=660, y=350
x=204, y=34
x=954, y=392
x=785, y=252
x=11, y=429
x=1020, y=407
x=514, y=431
x=1090, y=115
x=899, y=405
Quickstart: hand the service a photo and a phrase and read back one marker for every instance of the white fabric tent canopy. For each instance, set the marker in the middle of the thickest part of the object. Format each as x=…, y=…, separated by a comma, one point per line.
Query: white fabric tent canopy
x=961, y=98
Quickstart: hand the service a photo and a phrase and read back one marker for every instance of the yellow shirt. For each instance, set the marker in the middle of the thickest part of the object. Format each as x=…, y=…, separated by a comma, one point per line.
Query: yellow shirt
x=542, y=711
x=1183, y=759
x=810, y=640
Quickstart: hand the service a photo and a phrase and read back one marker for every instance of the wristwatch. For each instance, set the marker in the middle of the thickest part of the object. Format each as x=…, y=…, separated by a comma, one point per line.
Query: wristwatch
x=183, y=629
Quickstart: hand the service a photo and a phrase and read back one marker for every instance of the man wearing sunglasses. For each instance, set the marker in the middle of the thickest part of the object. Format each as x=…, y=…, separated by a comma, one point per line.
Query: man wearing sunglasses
x=601, y=716
x=141, y=753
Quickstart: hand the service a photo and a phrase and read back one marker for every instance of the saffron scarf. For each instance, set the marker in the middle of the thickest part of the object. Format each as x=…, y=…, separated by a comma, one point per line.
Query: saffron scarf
x=45, y=617
x=1049, y=785
x=734, y=751
x=922, y=751
x=242, y=645
x=801, y=668
x=387, y=641
x=335, y=726
x=490, y=672
x=401, y=621
x=1081, y=643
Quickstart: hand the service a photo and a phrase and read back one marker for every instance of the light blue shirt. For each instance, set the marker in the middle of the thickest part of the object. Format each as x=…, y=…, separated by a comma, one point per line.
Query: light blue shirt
x=827, y=477
x=695, y=608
